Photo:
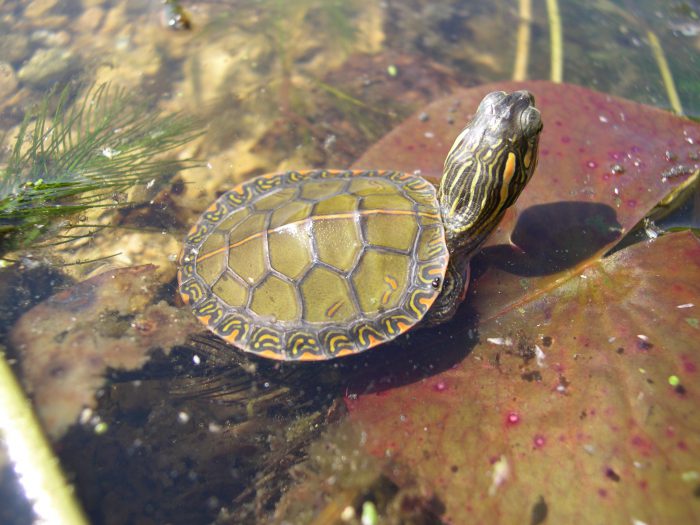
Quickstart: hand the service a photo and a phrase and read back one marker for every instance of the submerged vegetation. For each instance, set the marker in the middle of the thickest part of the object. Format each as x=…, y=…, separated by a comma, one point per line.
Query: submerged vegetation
x=68, y=158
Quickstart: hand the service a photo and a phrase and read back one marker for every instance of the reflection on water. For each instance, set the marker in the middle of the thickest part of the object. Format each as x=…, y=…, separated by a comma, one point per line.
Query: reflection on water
x=155, y=426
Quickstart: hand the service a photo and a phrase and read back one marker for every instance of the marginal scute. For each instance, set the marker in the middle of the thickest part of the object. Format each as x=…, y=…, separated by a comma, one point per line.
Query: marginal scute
x=315, y=265
x=303, y=345
x=234, y=328
x=338, y=342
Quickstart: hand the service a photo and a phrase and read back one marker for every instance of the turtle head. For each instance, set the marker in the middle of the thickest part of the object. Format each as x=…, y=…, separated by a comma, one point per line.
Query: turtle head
x=490, y=163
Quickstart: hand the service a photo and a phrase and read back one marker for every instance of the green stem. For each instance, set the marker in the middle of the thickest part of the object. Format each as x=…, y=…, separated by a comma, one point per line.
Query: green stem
x=38, y=470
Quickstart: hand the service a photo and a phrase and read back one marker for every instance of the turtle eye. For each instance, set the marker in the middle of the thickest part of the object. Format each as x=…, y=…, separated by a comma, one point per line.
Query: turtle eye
x=531, y=122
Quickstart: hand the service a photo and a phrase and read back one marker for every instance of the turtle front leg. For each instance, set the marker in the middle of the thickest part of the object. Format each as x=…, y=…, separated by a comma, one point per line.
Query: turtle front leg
x=454, y=289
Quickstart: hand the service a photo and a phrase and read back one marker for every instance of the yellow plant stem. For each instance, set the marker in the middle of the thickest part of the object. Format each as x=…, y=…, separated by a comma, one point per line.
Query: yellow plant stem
x=556, y=42
x=665, y=71
x=52, y=498
x=522, y=50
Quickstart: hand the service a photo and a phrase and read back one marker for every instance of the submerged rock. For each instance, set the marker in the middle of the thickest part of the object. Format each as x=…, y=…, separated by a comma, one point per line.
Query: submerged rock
x=68, y=342
x=48, y=66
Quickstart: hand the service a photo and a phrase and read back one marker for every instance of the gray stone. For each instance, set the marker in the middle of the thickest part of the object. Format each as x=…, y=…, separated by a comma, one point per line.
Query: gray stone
x=48, y=66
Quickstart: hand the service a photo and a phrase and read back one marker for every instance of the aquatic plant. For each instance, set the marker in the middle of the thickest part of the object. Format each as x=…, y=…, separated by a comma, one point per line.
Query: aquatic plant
x=81, y=156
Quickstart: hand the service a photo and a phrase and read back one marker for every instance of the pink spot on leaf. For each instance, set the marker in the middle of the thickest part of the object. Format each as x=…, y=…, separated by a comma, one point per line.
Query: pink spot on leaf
x=688, y=365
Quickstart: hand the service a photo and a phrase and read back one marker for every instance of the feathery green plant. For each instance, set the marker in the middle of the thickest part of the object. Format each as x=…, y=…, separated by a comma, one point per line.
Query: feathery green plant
x=84, y=156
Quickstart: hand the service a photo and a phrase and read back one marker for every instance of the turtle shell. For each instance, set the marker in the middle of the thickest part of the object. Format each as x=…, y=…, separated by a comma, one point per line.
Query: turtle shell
x=317, y=264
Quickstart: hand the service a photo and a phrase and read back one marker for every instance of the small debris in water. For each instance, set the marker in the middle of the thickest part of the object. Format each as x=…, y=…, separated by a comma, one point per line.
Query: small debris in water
x=369, y=514
x=440, y=386
x=85, y=416
x=643, y=342
x=539, y=357
x=651, y=229
x=677, y=171
x=423, y=117
x=174, y=16
x=196, y=359
x=329, y=142
x=690, y=475
x=101, y=428
x=685, y=305
x=612, y=475
x=539, y=512
x=183, y=417
x=110, y=153
x=501, y=473
x=617, y=169
x=501, y=341
x=392, y=70
x=348, y=514
x=674, y=380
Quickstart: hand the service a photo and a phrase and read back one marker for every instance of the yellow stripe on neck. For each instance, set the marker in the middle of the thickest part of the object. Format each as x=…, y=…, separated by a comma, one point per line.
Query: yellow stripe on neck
x=508, y=173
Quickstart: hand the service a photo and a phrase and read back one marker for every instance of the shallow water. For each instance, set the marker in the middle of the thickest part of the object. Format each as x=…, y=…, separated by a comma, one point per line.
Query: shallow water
x=154, y=420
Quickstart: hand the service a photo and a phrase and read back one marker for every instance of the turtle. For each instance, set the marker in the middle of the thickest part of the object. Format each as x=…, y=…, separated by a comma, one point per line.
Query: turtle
x=319, y=264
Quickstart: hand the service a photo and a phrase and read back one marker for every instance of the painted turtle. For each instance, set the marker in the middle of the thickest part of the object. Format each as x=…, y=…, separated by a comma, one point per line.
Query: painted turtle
x=312, y=265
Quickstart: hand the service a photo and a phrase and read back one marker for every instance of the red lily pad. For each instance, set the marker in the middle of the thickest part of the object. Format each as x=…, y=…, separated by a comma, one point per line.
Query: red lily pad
x=577, y=401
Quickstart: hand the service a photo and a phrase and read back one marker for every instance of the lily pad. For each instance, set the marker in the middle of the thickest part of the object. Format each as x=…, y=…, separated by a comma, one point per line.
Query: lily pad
x=577, y=399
